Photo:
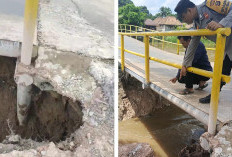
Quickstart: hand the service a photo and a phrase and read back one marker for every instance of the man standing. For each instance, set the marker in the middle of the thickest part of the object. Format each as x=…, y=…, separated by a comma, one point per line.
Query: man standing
x=200, y=61
x=211, y=15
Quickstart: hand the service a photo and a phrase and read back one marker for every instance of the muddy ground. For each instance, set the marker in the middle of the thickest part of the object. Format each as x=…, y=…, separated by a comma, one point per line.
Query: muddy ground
x=134, y=101
x=56, y=124
x=51, y=116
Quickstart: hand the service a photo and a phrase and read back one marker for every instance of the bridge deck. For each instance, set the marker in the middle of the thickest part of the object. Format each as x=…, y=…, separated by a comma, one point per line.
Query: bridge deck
x=160, y=75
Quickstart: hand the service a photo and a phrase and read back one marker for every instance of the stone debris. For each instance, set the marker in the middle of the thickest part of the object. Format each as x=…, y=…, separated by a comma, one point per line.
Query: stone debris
x=219, y=145
x=135, y=150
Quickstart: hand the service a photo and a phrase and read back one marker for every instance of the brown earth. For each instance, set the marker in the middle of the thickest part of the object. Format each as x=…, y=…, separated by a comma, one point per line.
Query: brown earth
x=134, y=101
x=52, y=117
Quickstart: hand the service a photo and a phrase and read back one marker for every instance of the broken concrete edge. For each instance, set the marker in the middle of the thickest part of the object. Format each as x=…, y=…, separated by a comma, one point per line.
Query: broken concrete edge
x=40, y=76
x=43, y=79
x=16, y=46
x=11, y=48
x=219, y=145
x=198, y=114
x=103, y=73
x=81, y=53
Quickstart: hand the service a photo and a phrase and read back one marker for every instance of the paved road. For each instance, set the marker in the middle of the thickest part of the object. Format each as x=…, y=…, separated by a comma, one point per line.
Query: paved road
x=160, y=76
x=100, y=13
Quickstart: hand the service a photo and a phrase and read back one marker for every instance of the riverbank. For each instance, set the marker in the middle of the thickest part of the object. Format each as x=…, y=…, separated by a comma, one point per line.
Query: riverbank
x=145, y=117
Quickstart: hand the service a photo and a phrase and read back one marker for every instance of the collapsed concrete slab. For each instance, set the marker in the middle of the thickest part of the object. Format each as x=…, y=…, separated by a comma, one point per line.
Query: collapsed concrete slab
x=75, y=59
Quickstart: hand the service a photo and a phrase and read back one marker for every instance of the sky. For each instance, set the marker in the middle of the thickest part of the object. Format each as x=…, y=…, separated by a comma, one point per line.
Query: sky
x=154, y=5
x=15, y=7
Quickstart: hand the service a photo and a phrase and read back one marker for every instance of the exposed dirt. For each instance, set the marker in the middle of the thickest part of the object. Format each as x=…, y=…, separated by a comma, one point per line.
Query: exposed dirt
x=195, y=150
x=135, y=150
x=134, y=101
x=52, y=117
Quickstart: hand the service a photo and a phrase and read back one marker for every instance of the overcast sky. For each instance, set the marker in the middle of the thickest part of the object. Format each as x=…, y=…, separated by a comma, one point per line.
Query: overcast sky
x=15, y=7
x=154, y=5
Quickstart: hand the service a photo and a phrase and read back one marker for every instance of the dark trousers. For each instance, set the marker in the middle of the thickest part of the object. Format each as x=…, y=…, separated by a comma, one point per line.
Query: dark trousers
x=190, y=79
x=226, y=69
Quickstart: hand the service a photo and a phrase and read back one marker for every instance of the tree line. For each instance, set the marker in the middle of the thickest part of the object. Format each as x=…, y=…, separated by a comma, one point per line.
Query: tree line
x=128, y=13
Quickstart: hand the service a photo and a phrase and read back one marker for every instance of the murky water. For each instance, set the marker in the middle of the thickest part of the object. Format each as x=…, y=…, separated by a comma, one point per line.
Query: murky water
x=167, y=130
x=12, y=7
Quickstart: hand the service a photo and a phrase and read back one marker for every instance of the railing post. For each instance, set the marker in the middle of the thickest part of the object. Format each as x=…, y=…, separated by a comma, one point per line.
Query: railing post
x=178, y=47
x=125, y=28
x=215, y=91
x=147, y=66
x=143, y=36
x=152, y=41
x=122, y=53
x=24, y=81
x=136, y=32
x=163, y=43
x=130, y=28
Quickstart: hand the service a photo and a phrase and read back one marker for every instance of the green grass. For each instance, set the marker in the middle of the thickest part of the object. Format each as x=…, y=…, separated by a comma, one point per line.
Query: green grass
x=206, y=42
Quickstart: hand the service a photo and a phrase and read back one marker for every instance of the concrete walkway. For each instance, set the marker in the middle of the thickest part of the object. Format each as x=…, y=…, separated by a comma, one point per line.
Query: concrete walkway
x=160, y=75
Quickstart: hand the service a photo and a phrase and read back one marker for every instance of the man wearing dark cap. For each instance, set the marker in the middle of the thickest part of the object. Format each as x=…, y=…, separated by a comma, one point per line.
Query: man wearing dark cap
x=212, y=15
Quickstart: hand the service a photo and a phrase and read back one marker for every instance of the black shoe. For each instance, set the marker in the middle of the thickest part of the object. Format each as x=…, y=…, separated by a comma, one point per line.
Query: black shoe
x=205, y=100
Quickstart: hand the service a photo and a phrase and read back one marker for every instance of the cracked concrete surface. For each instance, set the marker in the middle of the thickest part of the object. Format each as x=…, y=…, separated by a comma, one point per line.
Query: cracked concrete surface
x=75, y=59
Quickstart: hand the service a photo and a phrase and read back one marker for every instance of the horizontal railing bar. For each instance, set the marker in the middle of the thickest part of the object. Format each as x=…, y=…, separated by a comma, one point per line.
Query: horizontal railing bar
x=201, y=72
x=200, y=32
x=134, y=53
x=213, y=49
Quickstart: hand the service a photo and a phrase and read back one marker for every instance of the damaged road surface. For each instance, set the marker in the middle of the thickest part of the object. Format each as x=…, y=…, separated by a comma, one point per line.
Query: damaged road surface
x=71, y=112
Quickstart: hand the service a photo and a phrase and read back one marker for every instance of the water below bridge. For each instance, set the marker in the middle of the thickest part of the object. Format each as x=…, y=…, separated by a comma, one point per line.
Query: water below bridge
x=167, y=131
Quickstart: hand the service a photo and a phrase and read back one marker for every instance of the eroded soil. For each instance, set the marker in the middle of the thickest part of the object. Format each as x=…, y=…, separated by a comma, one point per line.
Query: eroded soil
x=51, y=116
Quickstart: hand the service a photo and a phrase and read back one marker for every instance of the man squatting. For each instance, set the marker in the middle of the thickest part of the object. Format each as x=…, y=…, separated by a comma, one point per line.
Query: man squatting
x=212, y=15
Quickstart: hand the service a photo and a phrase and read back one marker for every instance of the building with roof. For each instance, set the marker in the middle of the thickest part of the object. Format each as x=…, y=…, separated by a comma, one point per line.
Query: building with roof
x=165, y=23
x=150, y=24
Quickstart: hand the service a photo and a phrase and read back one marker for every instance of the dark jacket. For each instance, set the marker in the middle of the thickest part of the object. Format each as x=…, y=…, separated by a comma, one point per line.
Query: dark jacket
x=200, y=60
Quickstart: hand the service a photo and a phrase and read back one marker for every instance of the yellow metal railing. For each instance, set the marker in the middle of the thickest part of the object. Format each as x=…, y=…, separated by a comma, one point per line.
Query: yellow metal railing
x=216, y=75
x=135, y=29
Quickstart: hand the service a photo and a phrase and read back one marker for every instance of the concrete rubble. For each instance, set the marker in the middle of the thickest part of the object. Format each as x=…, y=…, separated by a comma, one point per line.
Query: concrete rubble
x=135, y=150
x=75, y=59
x=219, y=145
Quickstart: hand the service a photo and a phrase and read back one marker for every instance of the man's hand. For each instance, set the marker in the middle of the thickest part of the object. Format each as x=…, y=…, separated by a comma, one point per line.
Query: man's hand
x=173, y=80
x=213, y=26
x=183, y=71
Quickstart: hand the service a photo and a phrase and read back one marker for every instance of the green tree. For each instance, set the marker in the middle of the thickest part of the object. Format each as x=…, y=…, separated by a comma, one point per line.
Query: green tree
x=143, y=9
x=130, y=14
x=124, y=2
x=164, y=12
